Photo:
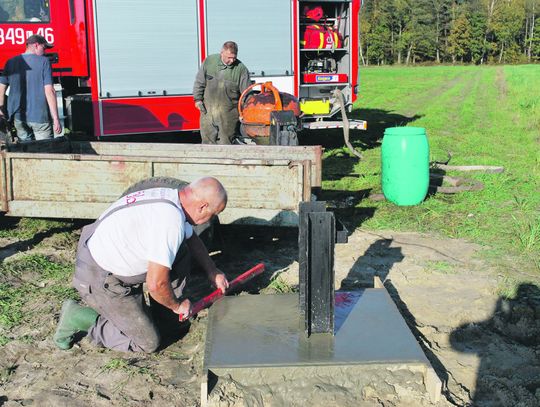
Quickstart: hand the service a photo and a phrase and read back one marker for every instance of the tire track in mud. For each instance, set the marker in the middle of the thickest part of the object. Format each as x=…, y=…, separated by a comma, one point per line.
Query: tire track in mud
x=484, y=101
x=420, y=102
x=502, y=86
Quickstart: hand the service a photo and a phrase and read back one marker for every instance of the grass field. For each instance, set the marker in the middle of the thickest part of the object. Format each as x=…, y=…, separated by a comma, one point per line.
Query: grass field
x=482, y=116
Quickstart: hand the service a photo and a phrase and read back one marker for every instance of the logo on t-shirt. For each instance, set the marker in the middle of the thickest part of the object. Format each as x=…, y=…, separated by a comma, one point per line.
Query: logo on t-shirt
x=132, y=198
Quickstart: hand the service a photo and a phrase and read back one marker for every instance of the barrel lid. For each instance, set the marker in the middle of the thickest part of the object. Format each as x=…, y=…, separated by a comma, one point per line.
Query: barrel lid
x=405, y=131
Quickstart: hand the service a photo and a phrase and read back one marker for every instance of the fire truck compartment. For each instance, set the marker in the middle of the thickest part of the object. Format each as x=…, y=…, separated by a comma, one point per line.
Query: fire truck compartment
x=146, y=50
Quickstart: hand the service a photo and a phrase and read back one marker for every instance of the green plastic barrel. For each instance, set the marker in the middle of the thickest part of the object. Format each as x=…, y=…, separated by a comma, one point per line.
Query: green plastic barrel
x=405, y=165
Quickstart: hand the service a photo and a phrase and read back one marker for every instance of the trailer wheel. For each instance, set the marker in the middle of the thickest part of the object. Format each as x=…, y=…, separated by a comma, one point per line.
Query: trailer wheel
x=206, y=231
x=155, y=182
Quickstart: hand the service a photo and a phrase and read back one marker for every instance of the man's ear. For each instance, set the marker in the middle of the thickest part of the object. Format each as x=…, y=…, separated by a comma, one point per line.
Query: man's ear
x=203, y=206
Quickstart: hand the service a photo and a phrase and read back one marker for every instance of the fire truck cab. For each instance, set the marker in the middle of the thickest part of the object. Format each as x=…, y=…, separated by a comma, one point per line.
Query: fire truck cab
x=127, y=67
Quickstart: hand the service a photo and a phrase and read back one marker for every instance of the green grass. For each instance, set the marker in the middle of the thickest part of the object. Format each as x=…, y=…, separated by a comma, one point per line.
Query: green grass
x=27, y=286
x=482, y=116
x=27, y=228
x=441, y=267
x=130, y=368
x=278, y=285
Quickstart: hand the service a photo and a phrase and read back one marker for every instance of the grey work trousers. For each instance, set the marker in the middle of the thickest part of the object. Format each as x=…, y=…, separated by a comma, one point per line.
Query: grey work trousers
x=219, y=125
x=124, y=322
x=28, y=131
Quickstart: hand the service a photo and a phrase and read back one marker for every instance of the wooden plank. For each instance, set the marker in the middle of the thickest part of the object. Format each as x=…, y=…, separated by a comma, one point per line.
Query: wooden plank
x=59, y=145
x=248, y=186
x=92, y=210
x=433, y=384
x=74, y=181
x=102, y=180
x=58, y=209
x=62, y=188
x=264, y=188
x=126, y=158
x=298, y=153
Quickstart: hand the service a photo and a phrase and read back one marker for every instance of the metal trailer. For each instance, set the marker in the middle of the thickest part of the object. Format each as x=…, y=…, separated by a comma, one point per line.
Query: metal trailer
x=126, y=67
x=80, y=179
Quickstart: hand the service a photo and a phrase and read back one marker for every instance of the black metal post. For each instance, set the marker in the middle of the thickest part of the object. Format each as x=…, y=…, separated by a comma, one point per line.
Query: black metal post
x=317, y=235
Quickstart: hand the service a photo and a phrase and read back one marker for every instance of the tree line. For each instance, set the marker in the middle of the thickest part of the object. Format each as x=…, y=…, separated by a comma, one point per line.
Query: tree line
x=449, y=31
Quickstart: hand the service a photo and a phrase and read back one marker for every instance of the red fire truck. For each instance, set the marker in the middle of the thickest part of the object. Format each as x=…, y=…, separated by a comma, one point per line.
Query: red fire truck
x=125, y=67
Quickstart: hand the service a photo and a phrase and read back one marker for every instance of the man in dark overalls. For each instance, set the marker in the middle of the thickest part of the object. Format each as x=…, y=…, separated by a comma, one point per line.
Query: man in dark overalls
x=144, y=237
x=220, y=81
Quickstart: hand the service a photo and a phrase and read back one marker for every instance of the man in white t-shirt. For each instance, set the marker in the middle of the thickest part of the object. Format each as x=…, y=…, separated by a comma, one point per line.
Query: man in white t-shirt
x=144, y=237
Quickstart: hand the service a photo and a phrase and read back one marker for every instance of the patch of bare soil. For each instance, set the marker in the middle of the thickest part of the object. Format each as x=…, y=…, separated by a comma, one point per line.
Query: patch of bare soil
x=486, y=350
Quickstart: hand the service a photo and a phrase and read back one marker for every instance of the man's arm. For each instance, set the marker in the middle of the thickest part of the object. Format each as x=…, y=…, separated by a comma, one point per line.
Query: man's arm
x=200, y=253
x=53, y=108
x=159, y=287
x=198, y=88
x=245, y=81
x=3, y=89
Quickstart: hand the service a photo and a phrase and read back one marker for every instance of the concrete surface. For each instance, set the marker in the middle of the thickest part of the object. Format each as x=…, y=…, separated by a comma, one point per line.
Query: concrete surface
x=259, y=339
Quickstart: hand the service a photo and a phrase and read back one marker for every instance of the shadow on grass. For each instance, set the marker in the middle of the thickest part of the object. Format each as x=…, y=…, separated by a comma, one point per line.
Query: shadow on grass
x=377, y=121
x=339, y=163
x=28, y=244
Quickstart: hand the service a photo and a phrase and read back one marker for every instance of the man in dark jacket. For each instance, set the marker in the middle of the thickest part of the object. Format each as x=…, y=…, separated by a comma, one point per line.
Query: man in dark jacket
x=218, y=85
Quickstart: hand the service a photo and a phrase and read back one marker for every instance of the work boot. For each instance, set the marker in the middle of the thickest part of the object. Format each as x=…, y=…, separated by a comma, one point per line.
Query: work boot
x=74, y=318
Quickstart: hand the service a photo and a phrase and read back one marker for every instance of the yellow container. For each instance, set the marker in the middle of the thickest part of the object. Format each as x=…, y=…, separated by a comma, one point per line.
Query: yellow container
x=315, y=106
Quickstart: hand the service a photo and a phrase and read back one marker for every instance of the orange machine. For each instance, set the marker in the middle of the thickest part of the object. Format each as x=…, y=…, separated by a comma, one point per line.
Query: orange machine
x=269, y=116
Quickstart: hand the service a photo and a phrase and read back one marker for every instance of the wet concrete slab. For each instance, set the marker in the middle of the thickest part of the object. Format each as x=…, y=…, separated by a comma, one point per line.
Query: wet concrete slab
x=257, y=340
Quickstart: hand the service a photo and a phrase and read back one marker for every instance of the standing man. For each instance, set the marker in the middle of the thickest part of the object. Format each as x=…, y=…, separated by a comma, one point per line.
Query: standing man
x=32, y=100
x=144, y=237
x=218, y=85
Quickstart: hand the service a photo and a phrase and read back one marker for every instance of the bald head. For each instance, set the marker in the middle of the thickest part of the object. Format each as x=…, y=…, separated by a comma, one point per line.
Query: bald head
x=202, y=199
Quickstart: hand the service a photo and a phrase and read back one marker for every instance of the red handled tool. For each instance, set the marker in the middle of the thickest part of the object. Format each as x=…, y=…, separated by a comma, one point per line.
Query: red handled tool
x=216, y=295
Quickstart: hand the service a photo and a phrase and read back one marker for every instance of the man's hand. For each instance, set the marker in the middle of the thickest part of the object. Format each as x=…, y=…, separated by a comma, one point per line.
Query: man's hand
x=200, y=105
x=183, y=309
x=57, y=126
x=219, y=280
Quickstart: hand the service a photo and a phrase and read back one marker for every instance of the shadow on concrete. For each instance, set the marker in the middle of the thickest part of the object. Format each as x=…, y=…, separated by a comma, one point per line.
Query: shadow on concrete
x=509, y=373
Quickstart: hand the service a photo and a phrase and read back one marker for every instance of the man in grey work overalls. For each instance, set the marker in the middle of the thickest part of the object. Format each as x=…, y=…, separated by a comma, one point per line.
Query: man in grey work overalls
x=146, y=236
x=220, y=81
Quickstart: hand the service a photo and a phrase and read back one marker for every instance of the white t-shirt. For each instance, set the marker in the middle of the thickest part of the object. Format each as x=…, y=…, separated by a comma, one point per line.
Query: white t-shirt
x=128, y=239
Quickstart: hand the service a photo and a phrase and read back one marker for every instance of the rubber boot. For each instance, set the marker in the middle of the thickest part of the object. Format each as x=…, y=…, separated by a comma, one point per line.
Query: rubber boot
x=74, y=318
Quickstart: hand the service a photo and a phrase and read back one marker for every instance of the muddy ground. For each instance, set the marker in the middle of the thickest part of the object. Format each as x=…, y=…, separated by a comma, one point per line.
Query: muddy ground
x=486, y=350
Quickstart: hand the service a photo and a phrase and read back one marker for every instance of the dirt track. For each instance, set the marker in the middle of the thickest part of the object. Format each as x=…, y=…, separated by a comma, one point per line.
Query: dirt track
x=485, y=350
